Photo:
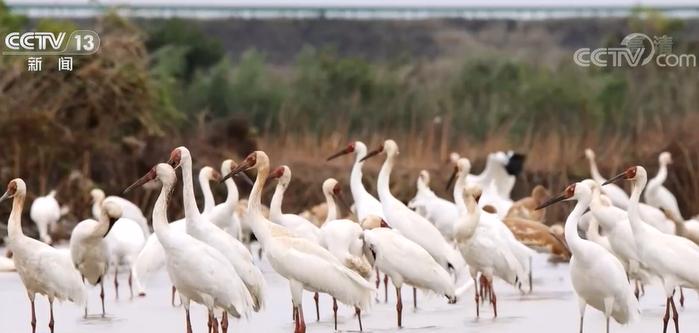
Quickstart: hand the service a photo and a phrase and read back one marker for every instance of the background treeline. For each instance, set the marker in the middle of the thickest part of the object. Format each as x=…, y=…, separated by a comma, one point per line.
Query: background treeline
x=302, y=89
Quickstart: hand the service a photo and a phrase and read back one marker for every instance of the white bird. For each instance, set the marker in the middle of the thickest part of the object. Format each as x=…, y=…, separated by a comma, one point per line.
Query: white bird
x=342, y=237
x=125, y=241
x=129, y=209
x=45, y=212
x=405, y=262
x=658, y=195
x=200, y=227
x=152, y=255
x=482, y=246
x=649, y=214
x=615, y=193
x=296, y=224
x=590, y=262
x=409, y=223
x=199, y=272
x=42, y=268
x=664, y=255
x=365, y=203
x=89, y=250
x=442, y=213
x=615, y=224
x=224, y=214
x=305, y=264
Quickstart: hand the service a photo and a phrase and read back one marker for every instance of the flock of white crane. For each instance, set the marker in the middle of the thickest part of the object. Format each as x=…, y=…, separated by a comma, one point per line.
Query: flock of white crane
x=426, y=244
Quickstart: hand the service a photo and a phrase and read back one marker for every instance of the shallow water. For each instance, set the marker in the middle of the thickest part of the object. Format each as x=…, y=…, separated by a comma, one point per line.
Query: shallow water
x=551, y=308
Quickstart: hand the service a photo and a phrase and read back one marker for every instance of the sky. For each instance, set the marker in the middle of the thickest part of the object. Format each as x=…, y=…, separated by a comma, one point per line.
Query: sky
x=418, y=3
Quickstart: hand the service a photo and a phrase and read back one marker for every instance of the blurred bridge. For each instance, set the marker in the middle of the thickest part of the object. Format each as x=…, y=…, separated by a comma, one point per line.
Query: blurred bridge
x=360, y=12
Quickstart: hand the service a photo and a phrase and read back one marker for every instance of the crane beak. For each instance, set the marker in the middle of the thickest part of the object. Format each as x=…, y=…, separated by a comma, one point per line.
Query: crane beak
x=552, y=201
x=148, y=177
x=238, y=169
x=338, y=154
x=216, y=176
x=5, y=196
x=372, y=154
x=383, y=224
x=111, y=224
x=452, y=178
x=615, y=178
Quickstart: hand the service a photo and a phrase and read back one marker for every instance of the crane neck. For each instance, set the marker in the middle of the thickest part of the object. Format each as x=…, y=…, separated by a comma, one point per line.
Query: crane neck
x=206, y=191
x=458, y=192
x=14, y=228
x=383, y=184
x=594, y=172
x=103, y=224
x=571, y=226
x=356, y=186
x=275, y=207
x=232, y=195
x=332, y=207
x=633, y=210
x=160, y=221
x=659, y=178
x=191, y=211
x=254, y=213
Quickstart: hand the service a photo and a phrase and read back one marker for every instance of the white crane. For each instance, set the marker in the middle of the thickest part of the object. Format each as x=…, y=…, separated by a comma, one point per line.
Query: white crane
x=298, y=225
x=365, y=203
x=615, y=193
x=207, y=174
x=224, y=214
x=442, y=213
x=89, y=250
x=615, y=224
x=405, y=262
x=152, y=255
x=200, y=227
x=590, y=262
x=199, y=272
x=45, y=212
x=409, y=223
x=305, y=264
x=342, y=237
x=42, y=268
x=664, y=255
x=481, y=245
x=125, y=241
x=128, y=208
x=658, y=195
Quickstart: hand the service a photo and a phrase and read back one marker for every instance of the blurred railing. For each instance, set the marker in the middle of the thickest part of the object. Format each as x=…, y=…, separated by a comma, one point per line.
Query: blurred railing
x=51, y=9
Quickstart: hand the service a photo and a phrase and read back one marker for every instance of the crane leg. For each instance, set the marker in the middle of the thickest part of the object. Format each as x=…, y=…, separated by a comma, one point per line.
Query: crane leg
x=131, y=284
x=104, y=313
x=531, y=281
x=358, y=312
x=378, y=279
x=189, y=322
x=636, y=291
x=666, y=318
x=51, y=321
x=116, y=282
x=315, y=299
x=675, y=315
x=385, y=290
x=302, y=321
x=335, y=312
x=475, y=292
x=172, y=297
x=493, y=298
x=414, y=298
x=582, y=305
x=681, y=297
x=399, y=307
x=33, y=322
x=294, y=311
x=224, y=322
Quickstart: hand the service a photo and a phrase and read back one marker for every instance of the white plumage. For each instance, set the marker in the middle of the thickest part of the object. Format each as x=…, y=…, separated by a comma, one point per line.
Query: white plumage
x=45, y=212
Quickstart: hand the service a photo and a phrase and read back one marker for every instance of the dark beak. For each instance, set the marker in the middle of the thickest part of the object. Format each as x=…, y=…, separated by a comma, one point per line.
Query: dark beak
x=338, y=154
x=238, y=169
x=371, y=154
x=615, y=178
x=552, y=201
x=111, y=224
x=452, y=178
x=384, y=224
x=148, y=177
x=5, y=196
